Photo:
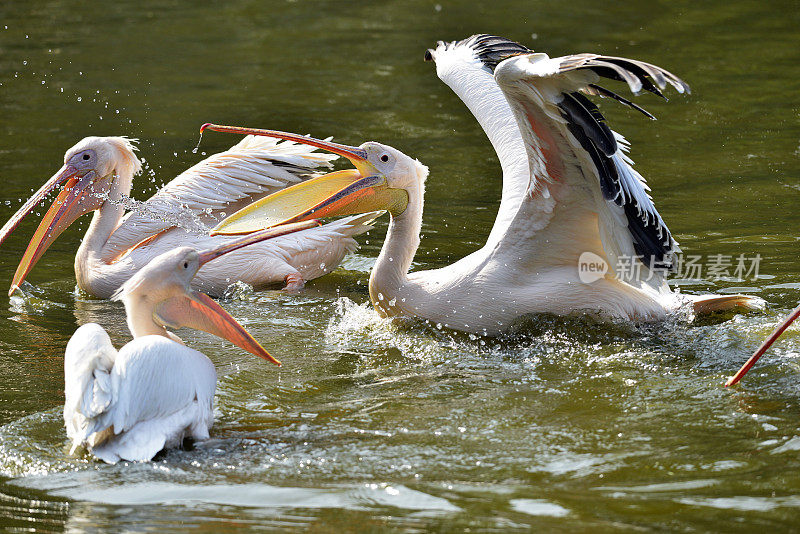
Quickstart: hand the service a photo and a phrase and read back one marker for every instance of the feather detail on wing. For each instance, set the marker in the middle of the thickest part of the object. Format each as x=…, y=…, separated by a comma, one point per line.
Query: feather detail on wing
x=552, y=85
x=251, y=169
x=143, y=391
x=560, y=125
x=129, y=407
x=467, y=68
x=88, y=360
x=567, y=180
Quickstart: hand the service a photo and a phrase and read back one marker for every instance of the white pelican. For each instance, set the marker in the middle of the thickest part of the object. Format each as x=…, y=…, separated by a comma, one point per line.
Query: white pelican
x=153, y=392
x=98, y=172
x=764, y=347
x=569, y=193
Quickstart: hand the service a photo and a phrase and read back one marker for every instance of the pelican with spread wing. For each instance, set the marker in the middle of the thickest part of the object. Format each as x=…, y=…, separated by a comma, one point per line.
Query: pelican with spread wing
x=97, y=176
x=570, y=192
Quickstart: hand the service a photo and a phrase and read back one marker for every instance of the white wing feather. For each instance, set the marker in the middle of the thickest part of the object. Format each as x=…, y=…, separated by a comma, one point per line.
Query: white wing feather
x=311, y=252
x=459, y=67
x=535, y=87
x=88, y=361
x=251, y=169
x=554, y=206
x=160, y=390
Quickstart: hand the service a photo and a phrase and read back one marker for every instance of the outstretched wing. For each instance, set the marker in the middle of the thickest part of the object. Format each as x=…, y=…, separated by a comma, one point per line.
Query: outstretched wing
x=219, y=185
x=579, y=181
x=556, y=120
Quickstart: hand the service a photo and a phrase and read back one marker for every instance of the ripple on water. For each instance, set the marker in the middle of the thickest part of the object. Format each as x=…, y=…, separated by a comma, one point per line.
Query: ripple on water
x=401, y=414
x=744, y=503
x=36, y=445
x=257, y=495
x=538, y=507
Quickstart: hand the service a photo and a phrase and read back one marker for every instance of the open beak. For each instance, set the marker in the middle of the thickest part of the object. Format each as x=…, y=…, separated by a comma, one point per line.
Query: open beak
x=335, y=194
x=764, y=346
x=70, y=204
x=197, y=310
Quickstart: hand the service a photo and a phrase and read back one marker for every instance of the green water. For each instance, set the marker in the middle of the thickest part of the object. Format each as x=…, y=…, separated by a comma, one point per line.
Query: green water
x=567, y=425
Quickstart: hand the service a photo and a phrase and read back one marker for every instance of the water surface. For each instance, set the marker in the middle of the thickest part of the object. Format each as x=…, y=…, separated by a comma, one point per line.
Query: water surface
x=565, y=424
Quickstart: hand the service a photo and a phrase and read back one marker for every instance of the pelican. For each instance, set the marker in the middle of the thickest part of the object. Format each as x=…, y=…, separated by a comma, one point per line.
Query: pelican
x=764, y=347
x=97, y=176
x=153, y=392
x=570, y=194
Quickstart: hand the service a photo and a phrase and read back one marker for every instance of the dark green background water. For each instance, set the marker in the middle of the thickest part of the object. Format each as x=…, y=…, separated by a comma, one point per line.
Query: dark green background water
x=568, y=425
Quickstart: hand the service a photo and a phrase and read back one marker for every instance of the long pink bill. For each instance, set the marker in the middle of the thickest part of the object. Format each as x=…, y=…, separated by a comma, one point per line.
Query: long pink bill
x=256, y=237
x=72, y=202
x=347, y=192
x=64, y=173
x=764, y=346
x=356, y=155
x=197, y=310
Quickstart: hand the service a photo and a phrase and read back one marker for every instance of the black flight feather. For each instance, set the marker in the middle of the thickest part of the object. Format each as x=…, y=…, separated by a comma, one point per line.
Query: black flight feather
x=581, y=111
x=602, y=91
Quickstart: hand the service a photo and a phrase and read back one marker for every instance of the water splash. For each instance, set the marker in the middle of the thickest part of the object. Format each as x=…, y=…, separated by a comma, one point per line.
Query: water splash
x=199, y=140
x=36, y=445
x=357, y=326
x=238, y=291
x=185, y=218
x=28, y=299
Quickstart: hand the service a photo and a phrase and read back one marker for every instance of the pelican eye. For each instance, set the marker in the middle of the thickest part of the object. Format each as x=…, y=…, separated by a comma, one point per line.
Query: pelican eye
x=186, y=265
x=385, y=158
x=86, y=156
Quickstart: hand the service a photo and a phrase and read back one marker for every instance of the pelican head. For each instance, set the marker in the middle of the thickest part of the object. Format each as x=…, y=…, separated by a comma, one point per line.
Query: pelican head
x=160, y=294
x=90, y=169
x=383, y=179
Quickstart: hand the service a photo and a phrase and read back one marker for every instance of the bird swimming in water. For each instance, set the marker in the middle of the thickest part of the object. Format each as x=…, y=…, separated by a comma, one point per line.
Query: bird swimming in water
x=155, y=391
x=570, y=195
